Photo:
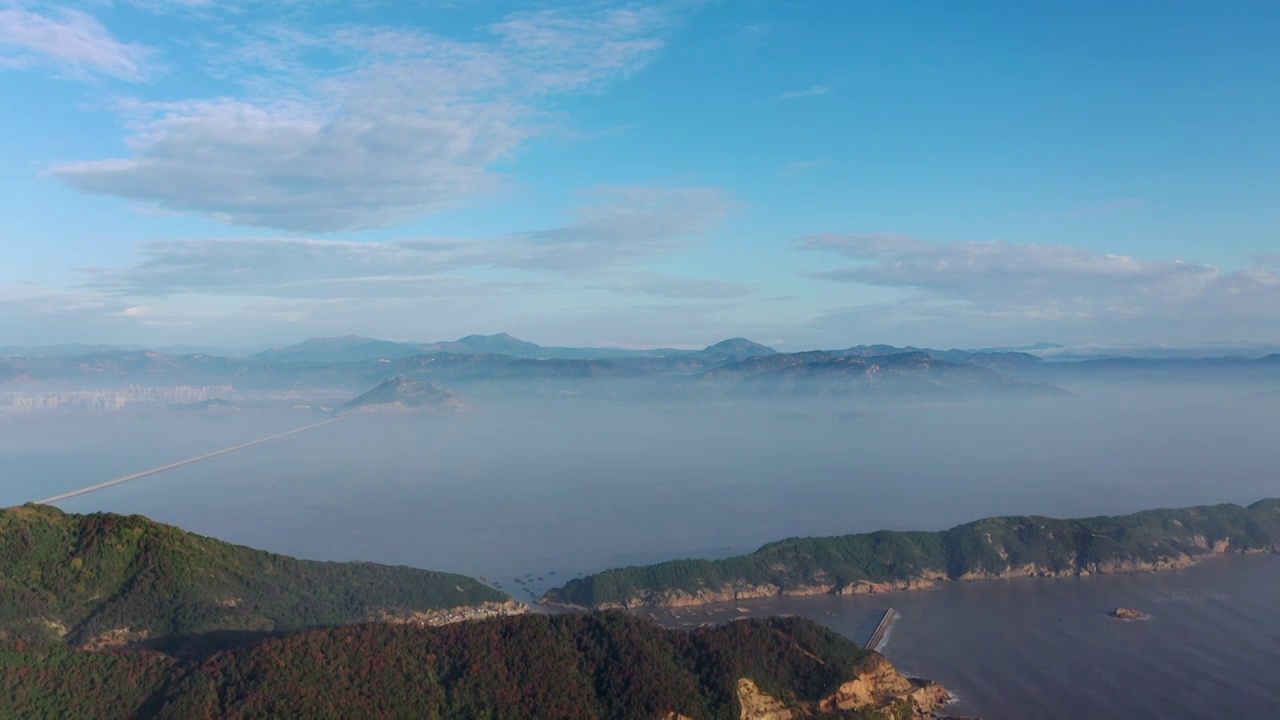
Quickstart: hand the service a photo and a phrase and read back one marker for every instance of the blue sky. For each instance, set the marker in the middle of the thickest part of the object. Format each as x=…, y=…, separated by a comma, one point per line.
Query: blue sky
x=808, y=174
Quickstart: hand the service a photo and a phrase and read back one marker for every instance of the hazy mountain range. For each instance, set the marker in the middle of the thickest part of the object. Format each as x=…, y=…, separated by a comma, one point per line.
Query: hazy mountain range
x=353, y=347
x=501, y=364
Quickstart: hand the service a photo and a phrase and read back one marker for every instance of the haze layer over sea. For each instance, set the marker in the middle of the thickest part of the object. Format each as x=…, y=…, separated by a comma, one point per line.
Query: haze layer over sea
x=531, y=493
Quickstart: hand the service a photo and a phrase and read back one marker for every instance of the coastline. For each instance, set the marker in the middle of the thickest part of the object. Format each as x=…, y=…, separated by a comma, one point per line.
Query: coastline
x=925, y=581
x=984, y=641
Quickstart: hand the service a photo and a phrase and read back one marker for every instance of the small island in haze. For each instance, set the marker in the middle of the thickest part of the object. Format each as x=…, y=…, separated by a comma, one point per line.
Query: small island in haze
x=400, y=394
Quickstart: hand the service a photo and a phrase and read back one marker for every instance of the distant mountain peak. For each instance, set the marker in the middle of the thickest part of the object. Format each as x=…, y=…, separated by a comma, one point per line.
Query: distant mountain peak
x=339, y=340
x=739, y=343
x=908, y=356
x=499, y=344
x=736, y=348
x=345, y=348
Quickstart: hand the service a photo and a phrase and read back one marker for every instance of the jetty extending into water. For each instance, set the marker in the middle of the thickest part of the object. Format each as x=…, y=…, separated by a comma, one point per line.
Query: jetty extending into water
x=877, y=635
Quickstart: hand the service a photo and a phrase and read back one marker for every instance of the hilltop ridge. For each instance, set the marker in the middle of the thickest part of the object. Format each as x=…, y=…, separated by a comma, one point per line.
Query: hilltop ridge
x=574, y=667
x=105, y=578
x=993, y=548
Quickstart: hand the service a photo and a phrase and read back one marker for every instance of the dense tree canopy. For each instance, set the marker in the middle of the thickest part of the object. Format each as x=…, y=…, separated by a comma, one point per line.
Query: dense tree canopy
x=986, y=547
x=607, y=665
x=78, y=576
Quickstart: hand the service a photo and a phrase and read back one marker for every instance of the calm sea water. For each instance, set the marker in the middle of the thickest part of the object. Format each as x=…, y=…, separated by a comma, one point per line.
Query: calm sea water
x=1045, y=648
x=531, y=494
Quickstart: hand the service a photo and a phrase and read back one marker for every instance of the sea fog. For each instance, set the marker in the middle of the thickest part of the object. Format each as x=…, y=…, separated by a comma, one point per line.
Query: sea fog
x=528, y=494
x=552, y=488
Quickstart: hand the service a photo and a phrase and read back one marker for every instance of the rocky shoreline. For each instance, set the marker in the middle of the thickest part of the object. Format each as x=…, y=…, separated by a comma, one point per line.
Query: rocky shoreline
x=877, y=686
x=924, y=581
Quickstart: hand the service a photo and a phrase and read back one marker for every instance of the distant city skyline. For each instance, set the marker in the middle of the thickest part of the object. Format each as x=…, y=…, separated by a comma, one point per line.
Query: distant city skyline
x=805, y=174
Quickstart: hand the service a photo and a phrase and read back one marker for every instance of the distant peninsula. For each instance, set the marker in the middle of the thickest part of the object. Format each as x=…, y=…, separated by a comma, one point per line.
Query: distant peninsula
x=994, y=548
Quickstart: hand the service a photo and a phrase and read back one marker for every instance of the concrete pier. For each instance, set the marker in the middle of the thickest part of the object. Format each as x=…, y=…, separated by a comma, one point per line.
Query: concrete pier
x=877, y=635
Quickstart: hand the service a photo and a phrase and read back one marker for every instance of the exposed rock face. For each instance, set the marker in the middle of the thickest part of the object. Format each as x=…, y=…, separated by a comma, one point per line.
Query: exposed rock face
x=56, y=628
x=866, y=587
x=880, y=686
x=434, y=618
x=119, y=637
x=877, y=686
x=758, y=705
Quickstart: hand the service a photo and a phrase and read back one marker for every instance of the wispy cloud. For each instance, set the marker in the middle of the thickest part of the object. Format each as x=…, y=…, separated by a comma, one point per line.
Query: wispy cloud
x=752, y=33
x=557, y=279
x=658, y=285
x=403, y=123
x=622, y=227
x=71, y=42
x=799, y=166
x=812, y=91
x=1040, y=282
x=1106, y=208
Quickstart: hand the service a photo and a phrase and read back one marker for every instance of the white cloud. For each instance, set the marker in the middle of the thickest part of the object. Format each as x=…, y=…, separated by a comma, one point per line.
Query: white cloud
x=71, y=42
x=243, y=290
x=294, y=169
x=404, y=123
x=1035, y=283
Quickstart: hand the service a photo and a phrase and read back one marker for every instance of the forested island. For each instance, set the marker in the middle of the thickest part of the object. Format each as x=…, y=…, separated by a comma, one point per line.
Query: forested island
x=107, y=615
x=106, y=579
x=1000, y=547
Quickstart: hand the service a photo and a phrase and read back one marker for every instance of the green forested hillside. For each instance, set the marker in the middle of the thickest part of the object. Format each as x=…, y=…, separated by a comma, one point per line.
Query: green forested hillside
x=607, y=665
x=991, y=547
x=79, y=576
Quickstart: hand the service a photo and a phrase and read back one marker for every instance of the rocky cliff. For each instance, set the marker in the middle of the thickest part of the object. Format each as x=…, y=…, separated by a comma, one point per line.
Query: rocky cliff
x=876, y=687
